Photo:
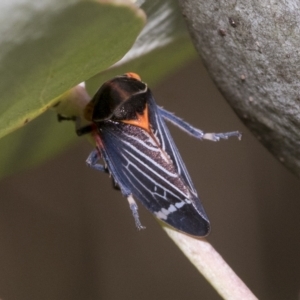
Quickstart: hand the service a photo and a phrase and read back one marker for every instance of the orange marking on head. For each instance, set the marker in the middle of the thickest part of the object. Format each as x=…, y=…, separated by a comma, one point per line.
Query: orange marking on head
x=133, y=75
x=142, y=120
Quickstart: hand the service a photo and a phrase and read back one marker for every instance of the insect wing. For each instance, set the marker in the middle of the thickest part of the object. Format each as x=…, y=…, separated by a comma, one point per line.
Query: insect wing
x=162, y=132
x=151, y=169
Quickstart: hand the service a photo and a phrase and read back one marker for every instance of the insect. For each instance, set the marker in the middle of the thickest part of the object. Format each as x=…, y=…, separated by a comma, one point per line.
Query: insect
x=139, y=153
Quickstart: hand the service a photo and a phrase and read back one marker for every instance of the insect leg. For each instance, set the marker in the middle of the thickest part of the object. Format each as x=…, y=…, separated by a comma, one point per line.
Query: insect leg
x=134, y=209
x=61, y=118
x=81, y=130
x=197, y=133
x=92, y=161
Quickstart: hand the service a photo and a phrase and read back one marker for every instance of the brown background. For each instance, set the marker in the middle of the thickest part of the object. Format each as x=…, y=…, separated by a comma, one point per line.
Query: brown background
x=66, y=234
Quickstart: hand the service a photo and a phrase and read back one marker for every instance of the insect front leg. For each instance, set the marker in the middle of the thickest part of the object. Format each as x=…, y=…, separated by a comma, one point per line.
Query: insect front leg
x=61, y=118
x=197, y=133
x=82, y=130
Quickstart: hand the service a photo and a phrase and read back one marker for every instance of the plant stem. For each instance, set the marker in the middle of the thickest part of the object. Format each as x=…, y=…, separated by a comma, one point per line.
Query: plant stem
x=212, y=266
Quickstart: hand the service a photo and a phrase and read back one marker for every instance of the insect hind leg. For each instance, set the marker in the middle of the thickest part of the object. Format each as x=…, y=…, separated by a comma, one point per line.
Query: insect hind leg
x=215, y=137
x=197, y=133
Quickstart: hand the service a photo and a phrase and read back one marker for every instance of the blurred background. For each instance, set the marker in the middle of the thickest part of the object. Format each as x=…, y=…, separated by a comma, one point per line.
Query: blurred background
x=66, y=234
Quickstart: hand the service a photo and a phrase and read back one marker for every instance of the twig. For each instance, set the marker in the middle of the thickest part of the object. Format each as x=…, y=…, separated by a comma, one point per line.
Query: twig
x=212, y=266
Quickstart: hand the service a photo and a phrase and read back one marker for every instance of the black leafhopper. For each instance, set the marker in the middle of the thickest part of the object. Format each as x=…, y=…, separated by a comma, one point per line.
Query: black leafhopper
x=139, y=153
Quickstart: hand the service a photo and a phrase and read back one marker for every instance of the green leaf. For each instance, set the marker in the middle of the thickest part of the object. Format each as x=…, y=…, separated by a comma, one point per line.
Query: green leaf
x=47, y=47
